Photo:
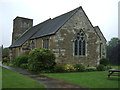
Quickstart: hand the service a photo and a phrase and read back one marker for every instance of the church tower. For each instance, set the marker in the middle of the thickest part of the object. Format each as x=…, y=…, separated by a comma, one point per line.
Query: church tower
x=20, y=25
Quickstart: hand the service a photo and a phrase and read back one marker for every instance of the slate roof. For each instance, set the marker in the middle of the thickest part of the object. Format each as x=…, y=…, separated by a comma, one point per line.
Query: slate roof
x=48, y=27
x=53, y=26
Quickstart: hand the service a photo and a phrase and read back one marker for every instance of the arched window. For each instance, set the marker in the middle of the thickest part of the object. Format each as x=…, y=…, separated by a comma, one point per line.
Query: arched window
x=32, y=45
x=80, y=44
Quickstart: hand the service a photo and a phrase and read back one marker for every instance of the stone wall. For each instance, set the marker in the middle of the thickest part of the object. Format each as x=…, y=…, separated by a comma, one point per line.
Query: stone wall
x=39, y=42
x=64, y=42
x=14, y=52
x=103, y=42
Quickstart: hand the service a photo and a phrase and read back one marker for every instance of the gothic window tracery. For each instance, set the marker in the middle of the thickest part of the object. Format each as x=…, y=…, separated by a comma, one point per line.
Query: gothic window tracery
x=80, y=44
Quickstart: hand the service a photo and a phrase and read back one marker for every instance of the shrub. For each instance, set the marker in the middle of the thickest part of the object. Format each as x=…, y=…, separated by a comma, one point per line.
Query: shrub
x=47, y=71
x=5, y=59
x=22, y=59
x=69, y=68
x=10, y=64
x=91, y=69
x=104, y=61
x=64, y=68
x=41, y=59
x=108, y=67
x=79, y=67
x=100, y=67
x=6, y=63
x=24, y=65
x=59, y=68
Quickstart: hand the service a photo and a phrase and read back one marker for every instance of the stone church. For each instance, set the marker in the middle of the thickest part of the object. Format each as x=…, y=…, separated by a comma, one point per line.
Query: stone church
x=71, y=36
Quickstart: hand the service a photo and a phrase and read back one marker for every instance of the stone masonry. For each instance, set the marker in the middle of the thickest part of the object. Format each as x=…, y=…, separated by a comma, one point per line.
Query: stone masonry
x=20, y=25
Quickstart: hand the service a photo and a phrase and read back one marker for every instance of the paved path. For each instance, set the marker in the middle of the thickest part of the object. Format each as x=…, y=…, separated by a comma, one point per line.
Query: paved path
x=47, y=81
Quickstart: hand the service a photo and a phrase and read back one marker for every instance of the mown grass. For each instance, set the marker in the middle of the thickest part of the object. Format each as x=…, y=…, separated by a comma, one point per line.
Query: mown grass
x=12, y=79
x=97, y=79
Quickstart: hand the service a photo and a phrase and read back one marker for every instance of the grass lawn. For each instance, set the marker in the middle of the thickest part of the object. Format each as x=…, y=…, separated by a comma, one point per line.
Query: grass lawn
x=96, y=79
x=12, y=79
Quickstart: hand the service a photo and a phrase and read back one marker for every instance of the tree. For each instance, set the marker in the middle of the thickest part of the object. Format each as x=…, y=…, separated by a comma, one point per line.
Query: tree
x=5, y=52
x=112, y=51
x=104, y=61
x=1, y=47
x=113, y=42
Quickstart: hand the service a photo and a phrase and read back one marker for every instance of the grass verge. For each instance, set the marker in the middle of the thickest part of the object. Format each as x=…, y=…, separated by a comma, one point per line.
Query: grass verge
x=12, y=79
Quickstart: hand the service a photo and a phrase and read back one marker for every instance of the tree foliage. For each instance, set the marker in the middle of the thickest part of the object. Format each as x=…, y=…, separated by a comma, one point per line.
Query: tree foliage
x=113, y=42
x=113, y=49
x=5, y=52
x=104, y=61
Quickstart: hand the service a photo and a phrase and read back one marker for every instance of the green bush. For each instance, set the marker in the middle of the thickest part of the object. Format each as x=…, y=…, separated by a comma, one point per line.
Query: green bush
x=24, y=65
x=79, y=67
x=69, y=68
x=108, y=67
x=41, y=60
x=63, y=68
x=100, y=67
x=10, y=64
x=59, y=68
x=47, y=71
x=104, y=61
x=91, y=69
x=5, y=59
x=6, y=63
x=22, y=59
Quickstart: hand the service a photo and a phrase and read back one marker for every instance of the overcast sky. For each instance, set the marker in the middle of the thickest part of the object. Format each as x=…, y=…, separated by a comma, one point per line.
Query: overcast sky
x=102, y=13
